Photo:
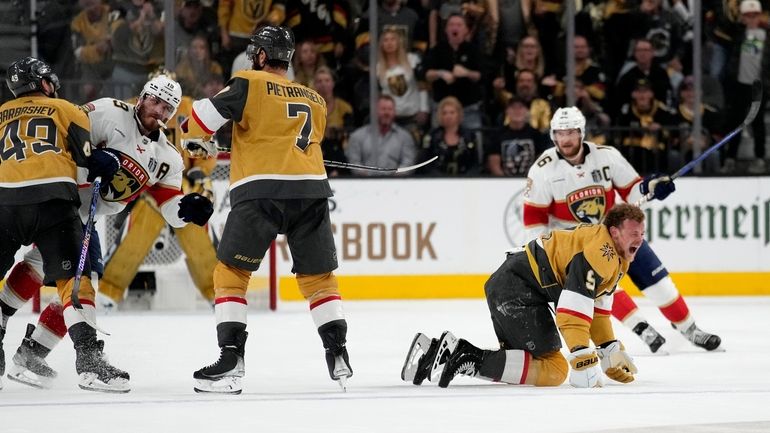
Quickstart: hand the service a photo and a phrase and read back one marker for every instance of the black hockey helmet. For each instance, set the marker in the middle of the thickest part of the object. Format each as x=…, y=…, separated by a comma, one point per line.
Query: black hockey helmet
x=276, y=42
x=26, y=75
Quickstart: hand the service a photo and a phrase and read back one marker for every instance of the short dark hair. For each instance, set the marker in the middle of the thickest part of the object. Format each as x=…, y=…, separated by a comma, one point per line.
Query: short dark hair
x=621, y=212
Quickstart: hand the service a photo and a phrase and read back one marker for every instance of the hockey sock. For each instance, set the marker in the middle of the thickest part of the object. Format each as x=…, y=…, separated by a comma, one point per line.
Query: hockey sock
x=50, y=326
x=519, y=367
x=666, y=296
x=86, y=297
x=230, y=304
x=20, y=286
x=625, y=309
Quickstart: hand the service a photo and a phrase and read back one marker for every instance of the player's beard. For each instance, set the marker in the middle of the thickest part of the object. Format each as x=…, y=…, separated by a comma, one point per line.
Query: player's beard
x=574, y=151
x=148, y=122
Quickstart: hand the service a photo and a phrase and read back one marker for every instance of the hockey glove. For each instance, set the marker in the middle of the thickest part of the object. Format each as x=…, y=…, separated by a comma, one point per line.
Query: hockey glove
x=201, y=148
x=616, y=363
x=660, y=185
x=195, y=208
x=585, y=369
x=104, y=163
x=200, y=183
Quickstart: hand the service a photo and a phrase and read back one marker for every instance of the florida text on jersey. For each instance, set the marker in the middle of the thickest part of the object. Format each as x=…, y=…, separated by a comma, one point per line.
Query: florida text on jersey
x=43, y=139
x=277, y=133
x=148, y=163
x=561, y=195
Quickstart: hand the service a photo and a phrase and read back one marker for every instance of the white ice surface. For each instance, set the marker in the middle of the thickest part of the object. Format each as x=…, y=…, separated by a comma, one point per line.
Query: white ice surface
x=287, y=388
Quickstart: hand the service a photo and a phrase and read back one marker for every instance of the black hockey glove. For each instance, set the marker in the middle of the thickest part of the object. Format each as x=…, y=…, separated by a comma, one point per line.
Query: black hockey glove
x=104, y=163
x=195, y=208
x=660, y=185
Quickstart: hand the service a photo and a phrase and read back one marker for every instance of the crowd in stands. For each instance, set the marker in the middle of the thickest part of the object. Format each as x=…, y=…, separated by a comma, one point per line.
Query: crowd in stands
x=473, y=82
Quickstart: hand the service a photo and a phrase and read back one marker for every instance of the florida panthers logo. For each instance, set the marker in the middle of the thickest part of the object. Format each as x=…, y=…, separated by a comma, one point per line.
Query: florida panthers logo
x=588, y=204
x=128, y=181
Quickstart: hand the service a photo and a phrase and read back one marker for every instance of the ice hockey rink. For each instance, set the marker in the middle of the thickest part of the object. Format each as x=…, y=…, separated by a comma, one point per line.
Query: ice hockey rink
x=287, y=388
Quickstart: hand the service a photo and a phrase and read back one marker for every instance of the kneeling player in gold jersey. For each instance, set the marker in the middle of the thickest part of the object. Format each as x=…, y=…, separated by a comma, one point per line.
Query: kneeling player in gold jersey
x=577, y=270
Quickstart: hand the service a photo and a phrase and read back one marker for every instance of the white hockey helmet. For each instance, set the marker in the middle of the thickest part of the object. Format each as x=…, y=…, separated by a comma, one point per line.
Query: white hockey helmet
x=568, y=118
x=166, y=89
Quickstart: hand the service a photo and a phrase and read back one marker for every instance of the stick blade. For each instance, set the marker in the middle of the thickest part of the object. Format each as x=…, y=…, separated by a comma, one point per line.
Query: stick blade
x=416, y=166
x=756, y=99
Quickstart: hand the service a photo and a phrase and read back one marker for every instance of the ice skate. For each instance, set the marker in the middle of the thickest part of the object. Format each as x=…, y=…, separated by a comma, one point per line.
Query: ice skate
x=446, y=346
x=650, y=336
x=339, y=367
x=95, y=373
x=29, y=366
x=2, y=353
x=419, y=359
x=696, y=336
x=225, y=375
x=465, y=360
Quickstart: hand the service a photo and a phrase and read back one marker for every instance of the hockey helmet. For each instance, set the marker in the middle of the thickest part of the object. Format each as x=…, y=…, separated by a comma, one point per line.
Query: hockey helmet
x=27, y=74
x=165, y=89
x=276, y=42
x=568, y=118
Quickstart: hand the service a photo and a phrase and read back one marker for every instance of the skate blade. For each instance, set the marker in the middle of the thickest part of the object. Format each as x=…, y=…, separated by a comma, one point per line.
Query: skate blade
x=446, y=346
x=226, y=385
x=343, y=382
x=29, y=378
x=90, y=382
x=419, y=347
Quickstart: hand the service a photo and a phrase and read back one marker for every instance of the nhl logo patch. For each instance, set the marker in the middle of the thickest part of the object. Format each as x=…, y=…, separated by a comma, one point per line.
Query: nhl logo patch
x=587, y=205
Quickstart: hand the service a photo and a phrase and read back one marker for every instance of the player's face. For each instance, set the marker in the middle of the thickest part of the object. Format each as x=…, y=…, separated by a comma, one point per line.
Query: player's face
x=568, y=142
x=151, y=109
x=628, y=238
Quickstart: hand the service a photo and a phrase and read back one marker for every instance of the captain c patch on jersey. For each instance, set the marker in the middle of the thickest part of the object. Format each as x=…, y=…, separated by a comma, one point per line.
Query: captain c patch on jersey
x=588, y=204
x=128, y=181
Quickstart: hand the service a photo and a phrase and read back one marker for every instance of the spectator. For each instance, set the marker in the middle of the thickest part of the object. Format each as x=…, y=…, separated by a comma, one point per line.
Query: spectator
x=682, y=143
x=193, y=20
x=391, y=147
x=516, y=144
x=239, y=18
x=453, y=69
x=339, y=120
x=307, y=59
x=539, y=109
x=597, y=122
x=546, y=17
x=196, y=67
x=395, y=73
x=646, y=129
x=720, y=25
x=91, y=40
x=749, y=61
x=664, y=29
x=137, y=45
x=643, y=68
x=455, y=146
x=392, y=15
x=326, y=23
x=591, y=76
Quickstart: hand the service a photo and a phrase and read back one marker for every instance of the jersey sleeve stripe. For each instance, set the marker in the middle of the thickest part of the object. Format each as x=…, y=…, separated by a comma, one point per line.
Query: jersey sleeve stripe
x=598, y=310
x=574, y=314
x=163, y=194
x=535, y=215
x=577, y=303
x=206, y=116
x=624, y=191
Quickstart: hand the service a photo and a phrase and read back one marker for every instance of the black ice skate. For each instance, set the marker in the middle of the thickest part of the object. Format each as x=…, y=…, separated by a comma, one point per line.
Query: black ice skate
x=649, y=335
x=2, y=353
x=465, y=360
x=29, y=366
x=419, y=359
x=95, y=373
x=700, y=338
x=224, y=376
x=339, y=366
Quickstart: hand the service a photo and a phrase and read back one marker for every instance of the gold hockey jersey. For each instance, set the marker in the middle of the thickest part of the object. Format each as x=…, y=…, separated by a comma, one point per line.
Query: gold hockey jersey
x=579, y=269
x=240, y=17
x=277, y=133
x=43, y=140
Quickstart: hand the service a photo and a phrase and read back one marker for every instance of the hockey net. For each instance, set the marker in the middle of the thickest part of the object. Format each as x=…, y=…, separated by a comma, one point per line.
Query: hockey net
x=163, y=281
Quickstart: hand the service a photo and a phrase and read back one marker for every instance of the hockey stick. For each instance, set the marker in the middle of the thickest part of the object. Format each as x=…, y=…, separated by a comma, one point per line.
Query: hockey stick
x=84, y=254
x=337, y=164
x=756, y=99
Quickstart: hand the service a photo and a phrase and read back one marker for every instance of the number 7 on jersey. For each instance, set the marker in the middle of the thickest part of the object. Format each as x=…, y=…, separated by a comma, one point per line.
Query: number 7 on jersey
x=293, y=110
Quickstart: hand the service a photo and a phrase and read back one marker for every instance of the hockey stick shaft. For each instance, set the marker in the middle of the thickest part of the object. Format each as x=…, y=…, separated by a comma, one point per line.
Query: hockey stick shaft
x=75, y=296
x=338, y=164
x=756, y=99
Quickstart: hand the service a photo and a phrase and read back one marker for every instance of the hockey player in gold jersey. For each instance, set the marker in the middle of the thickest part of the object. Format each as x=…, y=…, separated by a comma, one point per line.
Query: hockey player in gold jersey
x=44, y=140
x=577, y=270
x=278, y=185
x=145, y=224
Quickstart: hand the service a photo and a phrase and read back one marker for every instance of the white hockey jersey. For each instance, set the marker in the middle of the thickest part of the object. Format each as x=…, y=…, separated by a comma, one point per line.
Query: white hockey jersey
x=560, y=195
x=147, y=163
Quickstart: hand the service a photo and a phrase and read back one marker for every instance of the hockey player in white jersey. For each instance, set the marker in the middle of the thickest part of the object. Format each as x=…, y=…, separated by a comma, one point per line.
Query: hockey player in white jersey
x=147, y=163
x=576, y=182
